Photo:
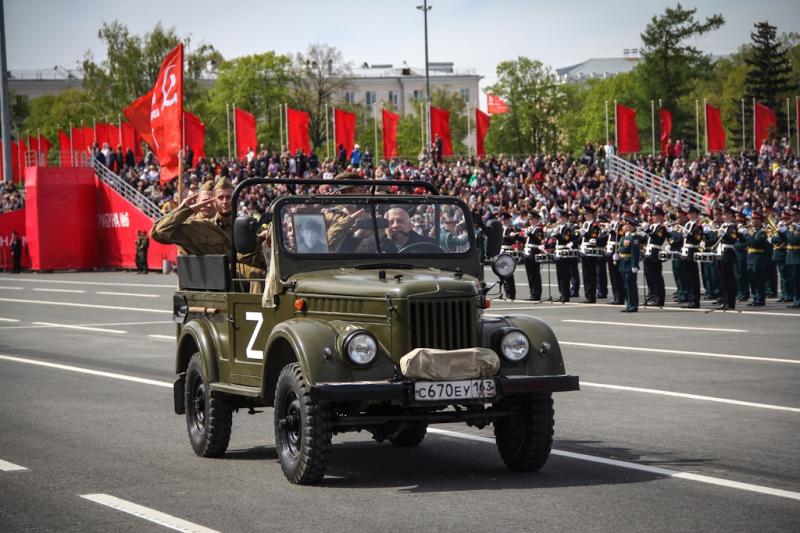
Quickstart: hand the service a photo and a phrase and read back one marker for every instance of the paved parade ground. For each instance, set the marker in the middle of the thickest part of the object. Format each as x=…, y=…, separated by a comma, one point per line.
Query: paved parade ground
x=685, y=420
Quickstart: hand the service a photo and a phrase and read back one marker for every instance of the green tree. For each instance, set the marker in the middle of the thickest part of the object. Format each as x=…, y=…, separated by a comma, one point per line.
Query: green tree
x=669, y=63
x=770, y=68
x=535, y=101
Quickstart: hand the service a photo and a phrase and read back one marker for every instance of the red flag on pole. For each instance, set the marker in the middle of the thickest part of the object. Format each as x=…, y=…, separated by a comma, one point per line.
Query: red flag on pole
x=390, y=121
x=627, y=130
x=482, y=121
x=665, y=124
x=714, y=130
x=345, y=129
x=166, y=108
x=297, y=127
x=63, y=148
x=245, y=132
x=440, y=125
x=138, y=114
x=130, y=140
x=765, y=121
x=196, y=134
x=495, y=105
x=103, y=133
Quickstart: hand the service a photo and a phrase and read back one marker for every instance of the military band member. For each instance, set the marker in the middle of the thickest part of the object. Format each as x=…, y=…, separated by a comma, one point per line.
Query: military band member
x=656, y=240
x=564, y=241
x=574, y=274
x=628, y=257
x=602, y=273
x=615, y=232
x=534, y=245
x=740, y=268
x=675, y=242
x=589, y=233
x=691, y=275
x=510, y=238
x=778, y=242
x=793, y=255
x=726, y=259
x=757, y=260
x=709, y=269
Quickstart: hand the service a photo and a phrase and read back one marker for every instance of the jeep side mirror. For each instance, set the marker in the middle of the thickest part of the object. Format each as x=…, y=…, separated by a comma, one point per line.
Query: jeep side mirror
x=494, y=237
x=245, y=234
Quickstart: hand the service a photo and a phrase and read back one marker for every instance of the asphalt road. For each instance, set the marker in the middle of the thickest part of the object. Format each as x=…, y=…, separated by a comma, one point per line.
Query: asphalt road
x=686, y=421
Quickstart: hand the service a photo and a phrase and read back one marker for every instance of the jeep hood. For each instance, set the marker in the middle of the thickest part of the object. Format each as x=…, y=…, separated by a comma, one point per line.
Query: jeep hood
x=397, y=283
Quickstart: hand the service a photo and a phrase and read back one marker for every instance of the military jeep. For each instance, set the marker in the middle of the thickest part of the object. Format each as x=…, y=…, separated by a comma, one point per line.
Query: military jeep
x=371, y=318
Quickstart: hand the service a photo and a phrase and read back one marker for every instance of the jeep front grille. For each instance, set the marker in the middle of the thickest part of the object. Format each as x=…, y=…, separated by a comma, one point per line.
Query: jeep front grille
x=442, y=324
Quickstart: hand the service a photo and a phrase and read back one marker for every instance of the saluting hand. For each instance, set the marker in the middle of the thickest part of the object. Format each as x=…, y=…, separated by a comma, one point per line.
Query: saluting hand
x=192, y=202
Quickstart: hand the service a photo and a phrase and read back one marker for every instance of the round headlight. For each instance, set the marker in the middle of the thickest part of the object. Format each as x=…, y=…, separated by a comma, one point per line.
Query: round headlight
x=515, y=345
x=504, y=265
x=361, y=348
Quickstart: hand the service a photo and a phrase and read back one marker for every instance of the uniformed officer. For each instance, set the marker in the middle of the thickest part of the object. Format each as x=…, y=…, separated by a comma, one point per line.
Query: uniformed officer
x=564, y=241
x=675, y=242
x=142, y=245
x=533, y=245
x=778, y=242
x=740, y=268
x=511, y=237
x=656, y=239
x=628, y=257
x=709, y=269
x=589, y=233
x=207, y=210
x=602, y=273
x=726, y=259
x=615, y=232
x=691, y=276
x=574, y=274
x=793, y=255
x=757, y=260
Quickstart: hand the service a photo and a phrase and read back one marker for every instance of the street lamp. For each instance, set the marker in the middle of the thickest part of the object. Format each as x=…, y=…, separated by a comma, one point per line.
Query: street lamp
x=425, y=8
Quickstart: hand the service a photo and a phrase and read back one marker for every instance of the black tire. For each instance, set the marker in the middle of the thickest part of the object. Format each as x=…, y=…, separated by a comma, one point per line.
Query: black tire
x=303, y=429
x=524, y=440
x=411, y=435
x=208, y=414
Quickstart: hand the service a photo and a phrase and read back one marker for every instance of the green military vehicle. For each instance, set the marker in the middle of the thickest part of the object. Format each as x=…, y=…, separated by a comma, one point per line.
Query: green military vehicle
x=372, y=317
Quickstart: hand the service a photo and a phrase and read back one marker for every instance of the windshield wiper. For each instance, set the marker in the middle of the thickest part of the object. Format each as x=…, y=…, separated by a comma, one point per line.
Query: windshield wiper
x=383, y=265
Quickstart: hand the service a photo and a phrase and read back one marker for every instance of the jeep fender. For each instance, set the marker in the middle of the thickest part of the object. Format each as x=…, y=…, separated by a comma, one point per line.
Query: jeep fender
x=198, y=336
x=541, y=360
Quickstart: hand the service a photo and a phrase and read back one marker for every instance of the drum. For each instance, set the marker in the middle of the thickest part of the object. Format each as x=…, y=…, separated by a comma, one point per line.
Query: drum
x=566, y=253
x=705, y=257
x=593, y=251
x=543, y=258
x=669, y=255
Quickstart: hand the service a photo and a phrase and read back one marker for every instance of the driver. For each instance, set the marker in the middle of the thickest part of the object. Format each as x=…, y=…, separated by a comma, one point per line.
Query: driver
x=399, y=230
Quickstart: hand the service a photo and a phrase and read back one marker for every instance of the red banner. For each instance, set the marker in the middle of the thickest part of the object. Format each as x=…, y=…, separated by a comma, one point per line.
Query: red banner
x=495, y=105
x=131, y=140
x=482, y=121
x=195, y=131
x=245, y=132
x=65, y=153
x=440, y=127
x=297, y=126
x=390, y=121
x=13, y=220
x=765, y=123
x=665, y=125
x=41, y=146
x=344, y=130
x=166, y=114
x=714, y=130
x=87, y=137
x=104, y=135
x=138, y=114
x=627, y=130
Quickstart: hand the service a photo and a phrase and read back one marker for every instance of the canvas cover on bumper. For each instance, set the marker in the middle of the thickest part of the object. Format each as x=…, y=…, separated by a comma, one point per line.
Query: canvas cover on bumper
x=431, y=364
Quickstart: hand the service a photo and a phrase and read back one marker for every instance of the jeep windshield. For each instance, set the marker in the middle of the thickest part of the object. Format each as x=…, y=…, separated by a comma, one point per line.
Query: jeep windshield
x=373, y=227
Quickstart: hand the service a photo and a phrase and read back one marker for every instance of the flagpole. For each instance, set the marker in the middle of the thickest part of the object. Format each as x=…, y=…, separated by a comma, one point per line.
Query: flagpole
x=755, y=148
x=375, y=127
x=616, y=127
x=607, y=138
x=94, y=131
x=797, y=127
x=228, y=127
x=744, y=131
x=71, y=148
x=469, y=131
x=39, y=135
x=286, y=122
x=788, y=124
x=235, y=139
x=335, y=146
x=653, y=125
x=327, y=135
x=705, y=122
x=421, y=126
x=697, y=125
x=660, y=133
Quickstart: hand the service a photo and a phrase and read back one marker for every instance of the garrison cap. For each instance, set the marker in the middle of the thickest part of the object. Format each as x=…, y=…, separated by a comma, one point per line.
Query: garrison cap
x=348, y=176
x=207, y=186
x=223, y=183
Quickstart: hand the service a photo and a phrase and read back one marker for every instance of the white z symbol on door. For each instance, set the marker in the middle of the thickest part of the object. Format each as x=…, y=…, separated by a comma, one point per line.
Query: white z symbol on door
x=252, y=316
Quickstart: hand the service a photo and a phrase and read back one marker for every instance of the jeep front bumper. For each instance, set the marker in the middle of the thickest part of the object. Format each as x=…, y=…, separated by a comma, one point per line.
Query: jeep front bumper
x=403, y=391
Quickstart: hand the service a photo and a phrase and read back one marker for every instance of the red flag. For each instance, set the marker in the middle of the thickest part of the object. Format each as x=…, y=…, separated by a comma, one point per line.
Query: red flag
x=495, y=105
x=103, y=135
x=196, y=134
x=87, y=139
x=297, y=126
x=138, y=114
x=765, y=122
x=64, y=149
x=627, y=130
x=665, y=123
x=245, y=132
x=166, y=113
x=131, y=140
x=390, y=121
x=482, y=121
x=41, y=146
x=440, y=125
x=714, y=131
x=345, y=129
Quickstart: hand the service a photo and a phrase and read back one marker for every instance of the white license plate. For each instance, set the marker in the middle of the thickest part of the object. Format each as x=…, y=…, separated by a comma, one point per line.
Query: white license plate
x=454, y=390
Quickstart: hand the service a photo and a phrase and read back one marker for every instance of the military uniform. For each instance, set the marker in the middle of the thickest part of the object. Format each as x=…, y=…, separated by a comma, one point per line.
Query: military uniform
x=709, y=269
x=793, y=259
x=779, y=242
x=740, y=268
x=535, y=239
x=574, y=273
x=629, y=267
x=675, y=242
x=564, y=240
x=511, y=237
x=590, y=232
x=615, y=277
x=726, y=262
x=656, y=238
x=691, y=275
x=142, y=245
x=757, y=264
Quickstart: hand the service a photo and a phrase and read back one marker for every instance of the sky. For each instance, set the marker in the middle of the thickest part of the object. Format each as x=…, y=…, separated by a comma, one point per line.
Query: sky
x=471, y=33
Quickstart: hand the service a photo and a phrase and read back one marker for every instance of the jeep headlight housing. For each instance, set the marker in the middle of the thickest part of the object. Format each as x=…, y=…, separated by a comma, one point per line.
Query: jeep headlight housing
x=360, y=348
x=515, y=345
x=503, y=266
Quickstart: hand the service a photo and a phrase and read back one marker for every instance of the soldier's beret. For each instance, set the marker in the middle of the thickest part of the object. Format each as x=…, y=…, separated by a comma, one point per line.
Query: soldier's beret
x=223, y=183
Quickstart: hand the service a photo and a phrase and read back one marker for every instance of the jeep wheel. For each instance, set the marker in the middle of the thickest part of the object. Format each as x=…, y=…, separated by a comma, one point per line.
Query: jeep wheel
x=208, y=414
x=411, y=435
x=524, y=439
x=302, y=429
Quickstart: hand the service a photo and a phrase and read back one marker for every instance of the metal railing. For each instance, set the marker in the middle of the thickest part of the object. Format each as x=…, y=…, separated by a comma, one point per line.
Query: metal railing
x=136, y=198
x=657, y=187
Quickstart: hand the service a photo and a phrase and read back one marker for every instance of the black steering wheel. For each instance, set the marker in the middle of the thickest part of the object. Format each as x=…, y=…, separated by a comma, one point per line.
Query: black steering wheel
x=421, y=248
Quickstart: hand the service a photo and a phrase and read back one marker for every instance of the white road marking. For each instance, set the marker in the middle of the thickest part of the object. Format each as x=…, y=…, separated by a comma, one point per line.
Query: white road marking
x=671, y=307
x=5, y=466
x=11, y=288
x=9, y=320
x=167, y=337
x=661, y=326
x=681, y=352
x=80, y=291
x=88, y=325
x=107, y=283
x=151, y=515
x=721, y=482
x=691, y=396
x=89, y=371
x=129, y=294
x=82, y=328
x=89, y=306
